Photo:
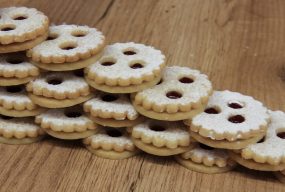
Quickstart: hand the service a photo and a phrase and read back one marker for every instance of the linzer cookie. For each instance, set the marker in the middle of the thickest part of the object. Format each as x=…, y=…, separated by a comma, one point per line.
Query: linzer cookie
x=68, y=47
x=161, y=138
x=21, y=28
x=69, y=123
x=19, y=130
x=269, y=153
x=111, y=143
x=16, y=70
x=205, y=159
x=15, y=102
x=126, y=68
x=182, y=94
x=58, y=90
x=112, y=110
x=231, y=121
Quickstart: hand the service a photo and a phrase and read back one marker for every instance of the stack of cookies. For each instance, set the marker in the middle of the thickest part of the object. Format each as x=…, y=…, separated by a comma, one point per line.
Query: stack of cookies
x=122, y=99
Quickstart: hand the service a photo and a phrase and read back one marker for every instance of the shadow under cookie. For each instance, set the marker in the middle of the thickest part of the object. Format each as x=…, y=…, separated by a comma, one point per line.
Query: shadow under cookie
x=280, y=176
x=70, y=135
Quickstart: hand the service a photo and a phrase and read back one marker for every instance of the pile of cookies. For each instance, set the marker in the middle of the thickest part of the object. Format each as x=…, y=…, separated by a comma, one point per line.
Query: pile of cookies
x=121, y=99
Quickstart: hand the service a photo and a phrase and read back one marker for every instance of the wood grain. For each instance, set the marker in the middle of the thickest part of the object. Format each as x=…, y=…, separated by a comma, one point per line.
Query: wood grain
x=238, y=43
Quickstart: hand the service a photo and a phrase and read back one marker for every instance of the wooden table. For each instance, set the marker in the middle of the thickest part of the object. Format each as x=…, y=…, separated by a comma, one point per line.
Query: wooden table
x=240, y=44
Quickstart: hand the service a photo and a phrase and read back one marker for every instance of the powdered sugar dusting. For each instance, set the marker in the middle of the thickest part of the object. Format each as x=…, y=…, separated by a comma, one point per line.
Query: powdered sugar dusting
x=253, y=111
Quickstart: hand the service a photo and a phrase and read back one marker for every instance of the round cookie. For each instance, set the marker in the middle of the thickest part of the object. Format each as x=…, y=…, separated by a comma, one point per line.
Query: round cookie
x=21, y=28
x=111, y=143
x=126, y=68
x=161, y=138
x=68, y=123
x=230, y=121
x=58, y=90
x=182, y=94
x=269, y=153
x=205, y=159
x=112, y=110
x=18, y=131
x=16, y=70
x=67, y=48
x=15, y=102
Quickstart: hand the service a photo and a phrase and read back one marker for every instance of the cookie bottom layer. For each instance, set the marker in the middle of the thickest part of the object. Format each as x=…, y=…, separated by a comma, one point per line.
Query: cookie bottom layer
x=187, y=163
x=70, y=136
x=15, y=47
x=23, y=113
x=112, y=154
x=251, y=164
x=225, y=144
x=67, y=66
x=124, y=89
x=54, y=103
x=117, y=123
x=14, y=81
x=159, y=151
x=15, y=141
x=164, y=116
x=280, y=176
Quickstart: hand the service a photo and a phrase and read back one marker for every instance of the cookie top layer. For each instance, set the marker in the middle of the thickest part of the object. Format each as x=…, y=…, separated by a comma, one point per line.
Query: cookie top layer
x=15, y=65
x=68, y=43
x=19, y=127
x=208, y=156
x=19, y=24
x=110, y=139
x=124, y=64
x=231, y=116
x=15, y=97
x=182, y=89
x=162, y=134
x=116, y=106
x=59, y=85
x=67, y=120
x=272, y=148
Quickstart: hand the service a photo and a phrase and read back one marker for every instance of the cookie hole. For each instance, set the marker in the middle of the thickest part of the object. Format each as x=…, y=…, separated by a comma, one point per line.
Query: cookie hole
x=8, y=28
x=20, y=17
x=107, y=63
x=129, y=52
x=206, y=147
x=173, y=95
x=235, y=105
x=109, y=98
x=236, y=119
x=54, y=81
x=186, y=80
x=73, y=114
x=79, y=73
x=5, y=117
x=14, y=89
x=114, y=133
x=212, y=110
x=52, y=37
x=281, y=135
x=79, y=33
x=68, y=46
x=157, y=128
x=136, y=66
x=159, y=82
x=15, y=61
x=261, y=140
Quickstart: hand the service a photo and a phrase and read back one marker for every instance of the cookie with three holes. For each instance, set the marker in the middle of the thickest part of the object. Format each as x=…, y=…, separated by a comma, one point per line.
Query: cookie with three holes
x=68, y=47
x=111, y=143
x=161, y=138
x=126, y=68
x=21, y=28
x=19, y=131
x=230, y=121
x=268, y=154
x=15, y=69
x=67, y=123
x=59, y=89
x=112, y=110
x=182, y=94
x=205, y=159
